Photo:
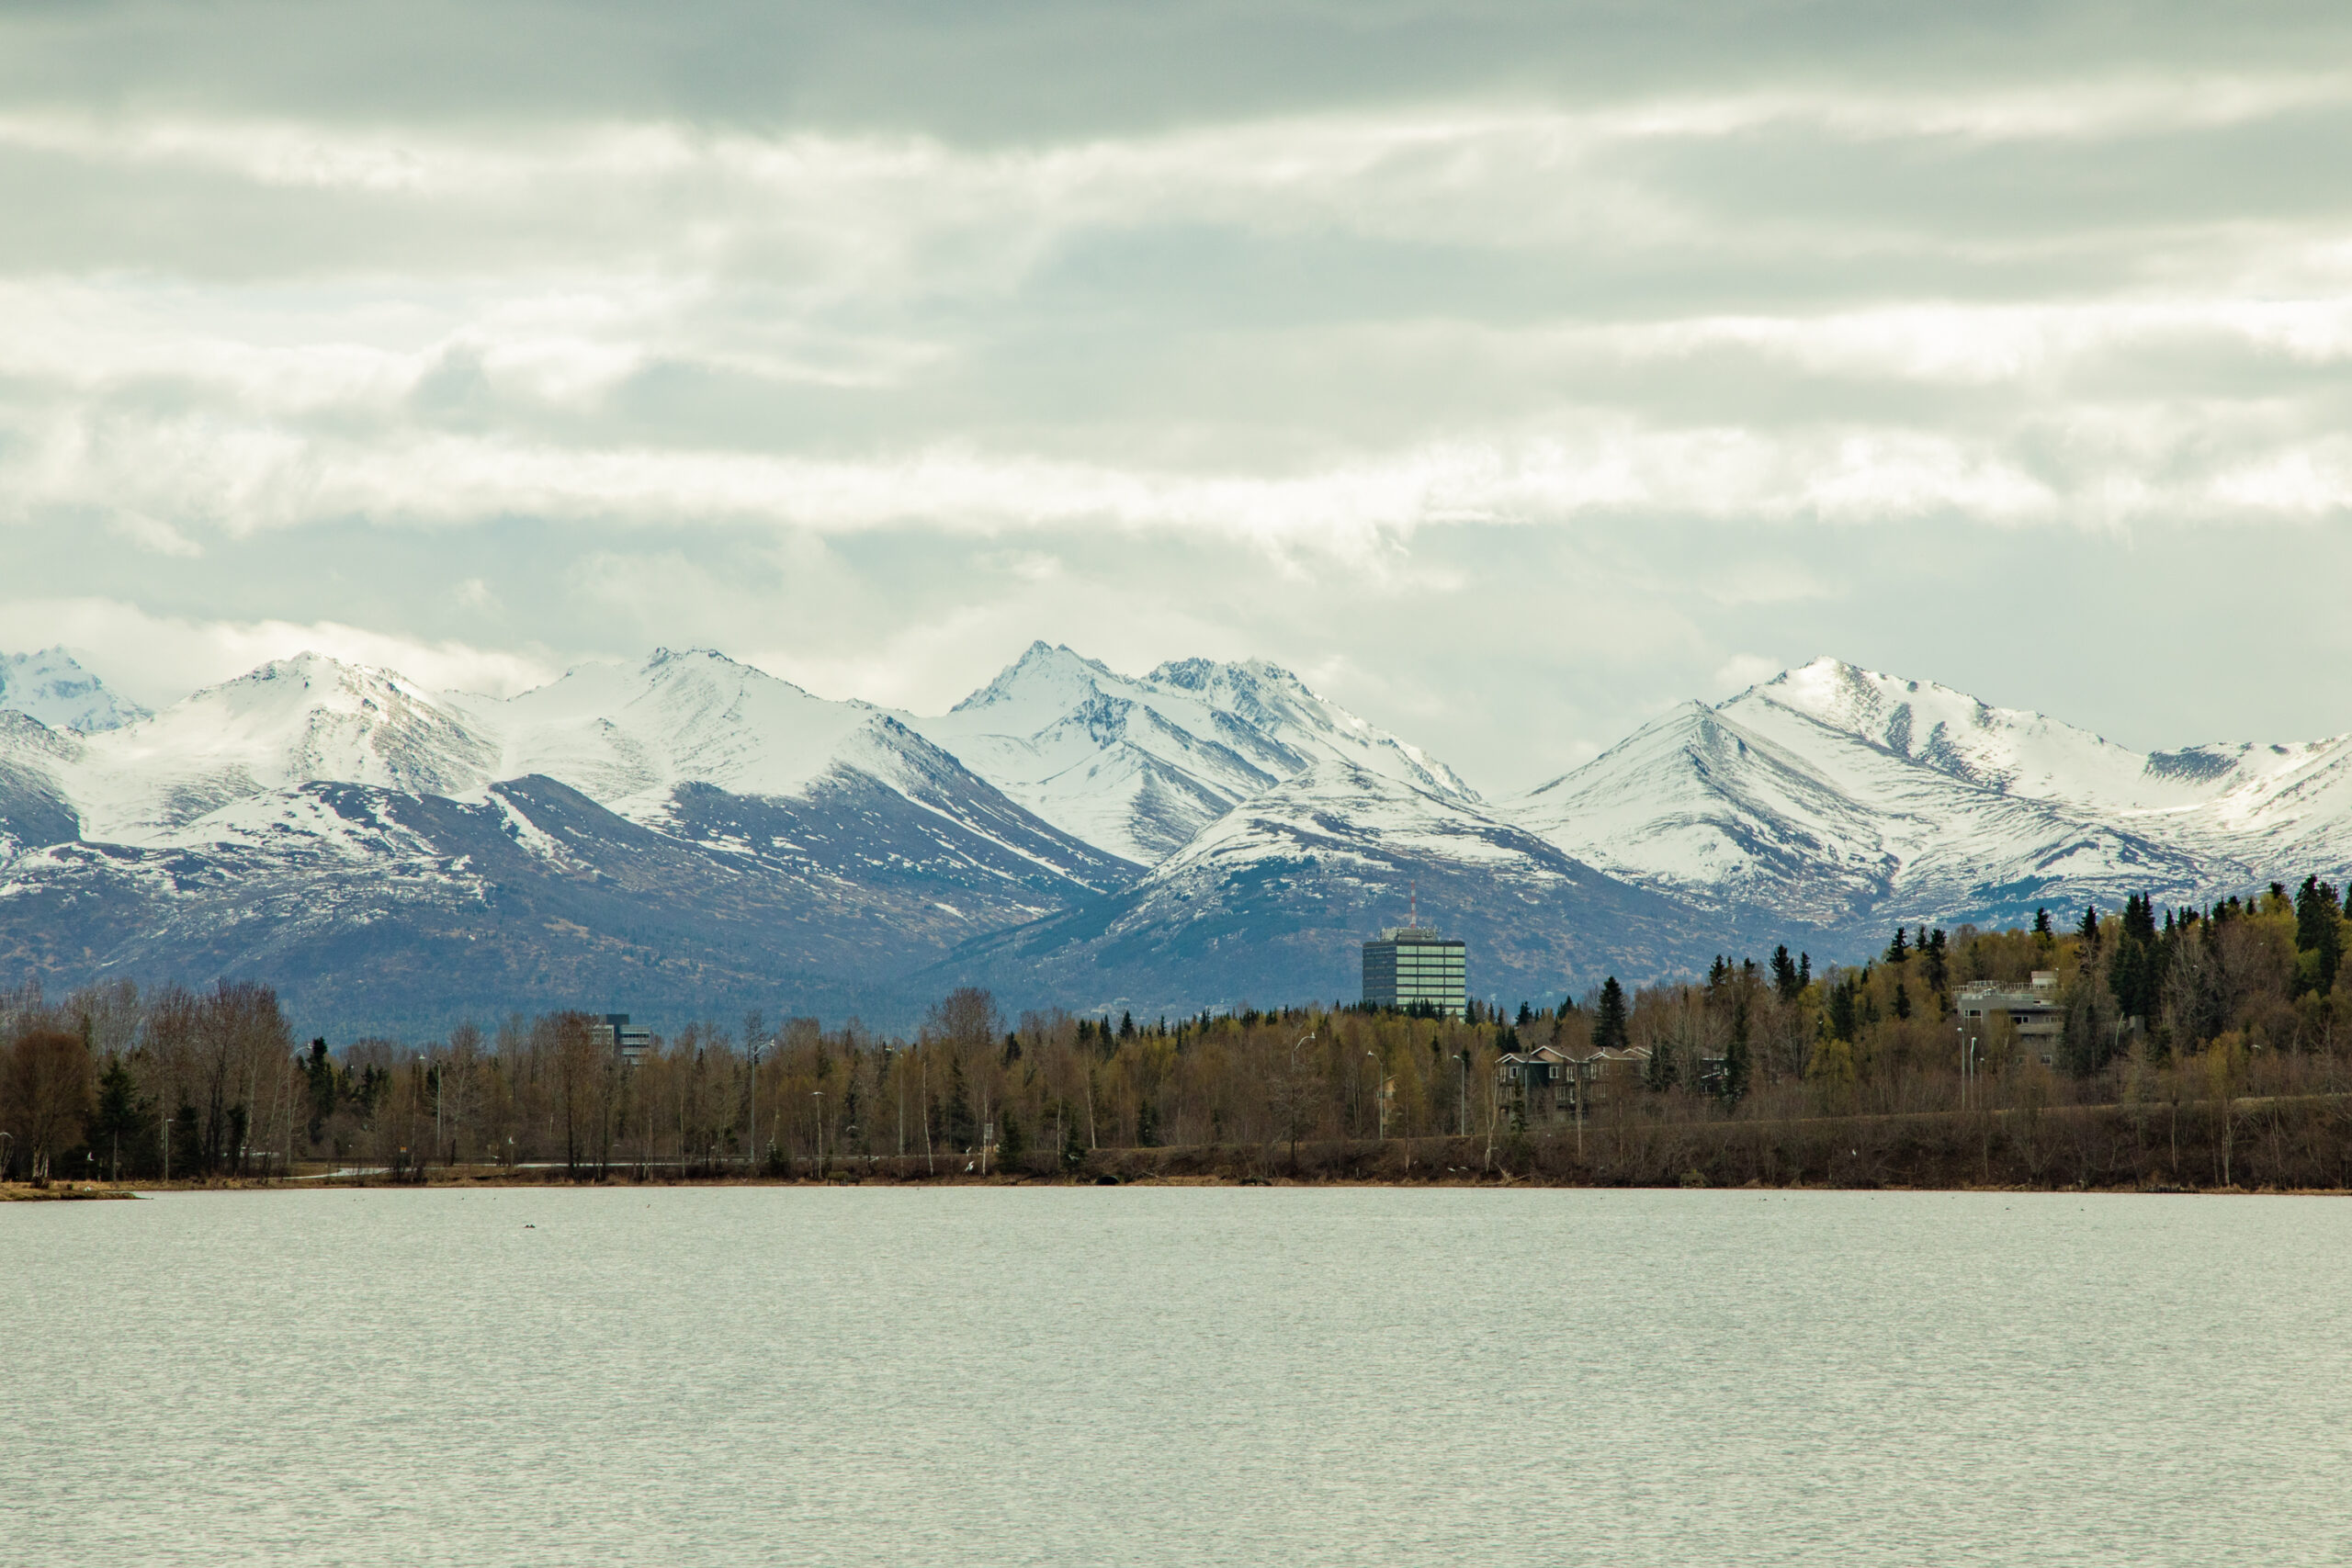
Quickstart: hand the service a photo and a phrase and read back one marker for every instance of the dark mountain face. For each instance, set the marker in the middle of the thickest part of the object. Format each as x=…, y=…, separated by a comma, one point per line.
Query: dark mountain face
x=1273, y=907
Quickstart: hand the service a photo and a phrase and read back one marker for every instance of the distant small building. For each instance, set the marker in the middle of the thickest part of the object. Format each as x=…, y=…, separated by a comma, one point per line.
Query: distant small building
x=1406, y=966
x=2036, y=1012
x=1546, y=1082
x=625, y=1041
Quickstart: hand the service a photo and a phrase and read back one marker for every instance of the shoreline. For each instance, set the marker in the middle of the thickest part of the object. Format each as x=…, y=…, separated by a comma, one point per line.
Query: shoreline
x=466, y=1179
x=2298, y=1146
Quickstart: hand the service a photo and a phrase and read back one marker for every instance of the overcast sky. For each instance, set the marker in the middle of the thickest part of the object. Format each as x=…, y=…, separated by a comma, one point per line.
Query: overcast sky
x=1512, y=372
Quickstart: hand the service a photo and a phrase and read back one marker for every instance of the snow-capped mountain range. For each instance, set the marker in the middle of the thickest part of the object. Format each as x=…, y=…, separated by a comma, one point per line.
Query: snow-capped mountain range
x=690, y=832
x=1833, y=794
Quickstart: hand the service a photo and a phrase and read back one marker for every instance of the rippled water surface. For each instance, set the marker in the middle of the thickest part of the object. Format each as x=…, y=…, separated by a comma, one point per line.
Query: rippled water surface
x=1174, y=1375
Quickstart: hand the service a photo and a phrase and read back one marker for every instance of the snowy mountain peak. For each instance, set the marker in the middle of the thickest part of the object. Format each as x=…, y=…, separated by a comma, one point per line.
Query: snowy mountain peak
x=1046, y=678
x=629, y=735
x=50, y=686
x=2010, y=751
x=291, y=722
x=1136, y=765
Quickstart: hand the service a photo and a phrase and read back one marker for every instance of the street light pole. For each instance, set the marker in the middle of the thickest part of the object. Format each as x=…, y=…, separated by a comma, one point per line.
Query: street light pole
x=751, y=1147
x=1295, y=1097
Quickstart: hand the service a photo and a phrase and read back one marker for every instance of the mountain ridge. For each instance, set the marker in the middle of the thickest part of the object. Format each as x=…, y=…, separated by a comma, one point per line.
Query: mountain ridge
x=1205, y=834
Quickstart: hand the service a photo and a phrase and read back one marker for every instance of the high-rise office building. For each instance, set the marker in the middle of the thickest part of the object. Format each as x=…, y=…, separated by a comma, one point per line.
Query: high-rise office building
x=1405, y=965
x=615, y=1034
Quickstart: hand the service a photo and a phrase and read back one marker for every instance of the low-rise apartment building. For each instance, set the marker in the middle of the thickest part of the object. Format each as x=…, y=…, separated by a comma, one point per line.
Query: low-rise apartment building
x=2036, y=1012
x=1546, y=1082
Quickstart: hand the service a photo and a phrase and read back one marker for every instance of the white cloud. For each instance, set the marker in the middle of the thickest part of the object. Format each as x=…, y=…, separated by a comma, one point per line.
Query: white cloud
x=1724, y=363
x=1742, y=671
x=157, y=660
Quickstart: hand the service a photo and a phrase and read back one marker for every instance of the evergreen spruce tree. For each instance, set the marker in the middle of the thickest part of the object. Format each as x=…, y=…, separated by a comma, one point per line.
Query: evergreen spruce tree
x=1804, y=970
x=2127, y=976
x=1898, y=950
x=1608, y=1023
x=1902, y=1000
x=961, y=1130
x=1842, y=1018
x=320, y=1073
x=2319, y=936
x=1663, y=1072
x=185, y=1148
x=119, y=1129
x=2088, y=930
x=1736, y=1058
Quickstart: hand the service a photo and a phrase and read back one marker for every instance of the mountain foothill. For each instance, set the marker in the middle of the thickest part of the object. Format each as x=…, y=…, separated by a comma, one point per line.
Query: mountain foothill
x=686, y=834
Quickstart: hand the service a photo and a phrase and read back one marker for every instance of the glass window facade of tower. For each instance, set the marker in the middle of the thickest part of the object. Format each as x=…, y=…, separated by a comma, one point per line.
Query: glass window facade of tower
x=1405, y=965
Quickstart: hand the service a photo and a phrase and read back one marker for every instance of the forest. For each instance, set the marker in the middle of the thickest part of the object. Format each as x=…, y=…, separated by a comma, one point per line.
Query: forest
x=2197, y=1047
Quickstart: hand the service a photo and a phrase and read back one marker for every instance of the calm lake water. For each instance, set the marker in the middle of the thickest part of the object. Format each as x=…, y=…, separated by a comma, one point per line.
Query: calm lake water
x=1175, y=1375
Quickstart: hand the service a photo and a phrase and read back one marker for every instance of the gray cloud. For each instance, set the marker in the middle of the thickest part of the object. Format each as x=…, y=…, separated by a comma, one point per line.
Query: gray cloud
x=1512, y=371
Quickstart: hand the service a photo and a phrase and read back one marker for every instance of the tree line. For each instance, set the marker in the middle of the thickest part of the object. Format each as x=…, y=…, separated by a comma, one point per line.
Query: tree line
x=2245, y=996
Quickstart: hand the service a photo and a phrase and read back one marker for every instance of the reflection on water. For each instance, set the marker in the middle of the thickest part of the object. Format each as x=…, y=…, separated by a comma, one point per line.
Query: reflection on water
x=1174, y=1375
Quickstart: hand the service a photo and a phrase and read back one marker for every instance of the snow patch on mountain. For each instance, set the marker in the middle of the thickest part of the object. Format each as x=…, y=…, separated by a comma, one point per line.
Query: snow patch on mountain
x=1347, y=812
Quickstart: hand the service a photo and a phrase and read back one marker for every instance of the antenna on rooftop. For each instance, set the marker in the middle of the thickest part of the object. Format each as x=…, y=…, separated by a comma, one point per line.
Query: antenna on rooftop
x=1416, y=885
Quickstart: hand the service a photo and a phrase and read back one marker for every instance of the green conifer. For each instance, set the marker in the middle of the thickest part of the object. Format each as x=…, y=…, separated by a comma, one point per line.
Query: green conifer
x=1609, y=1024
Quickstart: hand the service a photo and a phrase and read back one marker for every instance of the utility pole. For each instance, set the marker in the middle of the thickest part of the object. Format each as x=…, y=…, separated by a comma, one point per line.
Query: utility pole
x=1294, y=1097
